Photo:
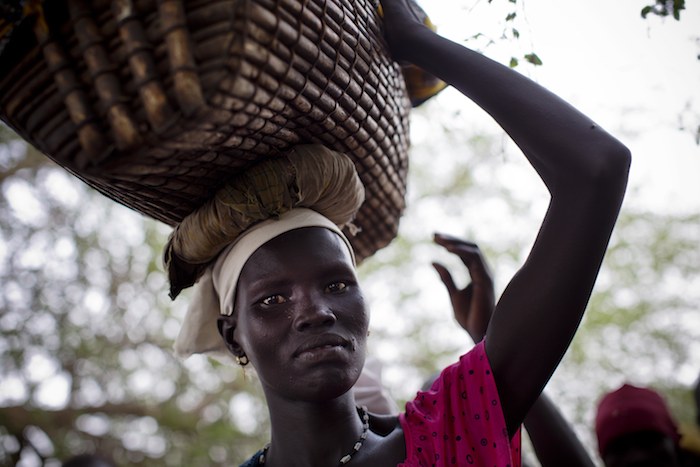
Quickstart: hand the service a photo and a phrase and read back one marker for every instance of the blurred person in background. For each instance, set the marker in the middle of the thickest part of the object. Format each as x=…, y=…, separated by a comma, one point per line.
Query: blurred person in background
x=635, y=428
x=690, y=434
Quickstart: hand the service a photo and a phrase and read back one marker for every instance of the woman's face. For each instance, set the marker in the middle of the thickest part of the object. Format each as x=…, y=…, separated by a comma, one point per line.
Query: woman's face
x=641, y=449
x=300, y=315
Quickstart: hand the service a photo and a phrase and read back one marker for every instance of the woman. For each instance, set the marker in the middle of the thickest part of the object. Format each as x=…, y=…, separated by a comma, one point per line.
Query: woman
x=290, y=303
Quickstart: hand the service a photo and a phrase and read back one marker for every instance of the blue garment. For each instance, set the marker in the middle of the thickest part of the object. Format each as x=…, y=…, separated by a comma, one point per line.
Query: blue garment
x=253, y=461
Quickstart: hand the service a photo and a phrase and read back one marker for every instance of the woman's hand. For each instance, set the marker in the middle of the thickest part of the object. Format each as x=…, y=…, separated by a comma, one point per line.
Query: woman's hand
x=402, y=18
x=474, y=304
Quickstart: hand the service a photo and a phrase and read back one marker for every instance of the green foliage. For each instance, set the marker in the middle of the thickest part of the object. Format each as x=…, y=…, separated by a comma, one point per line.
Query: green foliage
x=85, y=332
x=533, y=58
x=511, y=33
x=651, y=258
x=664, y=8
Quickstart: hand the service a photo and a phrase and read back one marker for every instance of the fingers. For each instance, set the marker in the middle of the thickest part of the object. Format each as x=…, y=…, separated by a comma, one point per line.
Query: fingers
x=461, y=299
x=471, y=256
x=448, y=240
x=446, y=278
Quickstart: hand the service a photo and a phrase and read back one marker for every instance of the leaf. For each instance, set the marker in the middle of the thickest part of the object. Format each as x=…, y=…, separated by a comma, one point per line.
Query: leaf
x=678, y=5
x=513, y=62
x=511, y=16
x=533, y=58
x=516, y=33
x=665, y=8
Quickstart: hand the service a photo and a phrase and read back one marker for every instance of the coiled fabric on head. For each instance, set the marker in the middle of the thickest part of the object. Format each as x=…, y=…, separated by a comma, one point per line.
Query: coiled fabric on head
x=309, y=176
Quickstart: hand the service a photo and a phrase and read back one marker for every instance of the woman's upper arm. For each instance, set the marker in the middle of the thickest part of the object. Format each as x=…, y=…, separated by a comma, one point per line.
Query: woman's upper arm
x=540, y=309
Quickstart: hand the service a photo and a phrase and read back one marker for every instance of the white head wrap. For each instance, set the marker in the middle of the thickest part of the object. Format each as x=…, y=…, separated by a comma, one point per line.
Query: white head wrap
x=310, y=186
x=215, y=291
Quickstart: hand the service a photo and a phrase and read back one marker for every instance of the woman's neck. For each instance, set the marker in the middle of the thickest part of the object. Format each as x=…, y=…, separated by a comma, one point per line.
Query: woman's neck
x=312, y=434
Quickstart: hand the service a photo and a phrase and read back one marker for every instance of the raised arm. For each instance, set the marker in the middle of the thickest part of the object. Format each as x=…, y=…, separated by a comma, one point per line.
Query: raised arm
x=585, y=170
x=554, y=440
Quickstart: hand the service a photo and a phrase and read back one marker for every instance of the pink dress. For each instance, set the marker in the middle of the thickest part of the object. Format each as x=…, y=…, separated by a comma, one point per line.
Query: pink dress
x=459, y=421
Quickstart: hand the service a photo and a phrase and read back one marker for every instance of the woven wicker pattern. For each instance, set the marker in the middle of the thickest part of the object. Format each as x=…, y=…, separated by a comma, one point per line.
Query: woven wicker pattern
x=156, y=103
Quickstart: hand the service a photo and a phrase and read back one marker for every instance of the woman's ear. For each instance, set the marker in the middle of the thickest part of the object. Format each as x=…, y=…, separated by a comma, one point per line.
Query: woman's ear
x=227, y=326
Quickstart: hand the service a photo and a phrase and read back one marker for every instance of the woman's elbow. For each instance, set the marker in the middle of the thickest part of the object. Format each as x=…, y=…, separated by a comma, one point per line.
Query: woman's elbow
x=619, y=159
x=610, y=163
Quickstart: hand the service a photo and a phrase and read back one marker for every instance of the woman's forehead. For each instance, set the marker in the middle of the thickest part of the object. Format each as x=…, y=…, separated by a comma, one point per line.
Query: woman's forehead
x=299, y=248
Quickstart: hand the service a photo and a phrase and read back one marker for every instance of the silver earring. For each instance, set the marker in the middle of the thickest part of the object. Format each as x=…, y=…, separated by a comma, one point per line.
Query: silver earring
x=242, y=360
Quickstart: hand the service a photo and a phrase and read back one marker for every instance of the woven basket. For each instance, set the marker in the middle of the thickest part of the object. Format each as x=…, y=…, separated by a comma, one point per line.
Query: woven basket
x=155, y=104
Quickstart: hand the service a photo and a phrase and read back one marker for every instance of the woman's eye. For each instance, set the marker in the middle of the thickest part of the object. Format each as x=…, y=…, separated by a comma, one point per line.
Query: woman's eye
x=273, y=300
x=336, y=287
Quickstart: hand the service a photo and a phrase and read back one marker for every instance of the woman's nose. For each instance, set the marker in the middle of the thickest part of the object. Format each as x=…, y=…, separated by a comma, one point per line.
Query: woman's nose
x=312, y=314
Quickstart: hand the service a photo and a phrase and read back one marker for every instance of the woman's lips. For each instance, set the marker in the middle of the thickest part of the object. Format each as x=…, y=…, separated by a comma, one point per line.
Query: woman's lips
x=323, y=353
x=321, y=347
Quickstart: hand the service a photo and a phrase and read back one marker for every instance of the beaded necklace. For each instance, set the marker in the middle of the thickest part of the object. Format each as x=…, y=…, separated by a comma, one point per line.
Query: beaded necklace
x=362, y=412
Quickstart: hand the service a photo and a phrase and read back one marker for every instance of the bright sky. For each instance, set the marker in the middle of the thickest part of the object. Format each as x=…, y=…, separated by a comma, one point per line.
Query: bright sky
x=637, y=78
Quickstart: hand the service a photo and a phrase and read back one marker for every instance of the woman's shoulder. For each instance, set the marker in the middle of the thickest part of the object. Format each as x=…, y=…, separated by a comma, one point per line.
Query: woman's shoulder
x=384, y=425
x=387, y=446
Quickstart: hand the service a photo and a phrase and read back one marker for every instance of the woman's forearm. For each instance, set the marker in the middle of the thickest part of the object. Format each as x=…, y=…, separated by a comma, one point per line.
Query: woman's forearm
x=558, y=140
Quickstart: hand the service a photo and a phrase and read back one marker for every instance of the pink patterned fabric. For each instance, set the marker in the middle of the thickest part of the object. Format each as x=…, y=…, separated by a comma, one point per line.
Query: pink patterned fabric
x=459, y=421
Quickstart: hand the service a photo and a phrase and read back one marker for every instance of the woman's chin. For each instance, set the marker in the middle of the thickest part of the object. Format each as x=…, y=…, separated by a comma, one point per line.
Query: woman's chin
x=324, y=388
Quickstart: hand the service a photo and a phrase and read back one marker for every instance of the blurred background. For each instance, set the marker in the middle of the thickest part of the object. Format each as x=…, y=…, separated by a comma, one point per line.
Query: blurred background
x=86, y=325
